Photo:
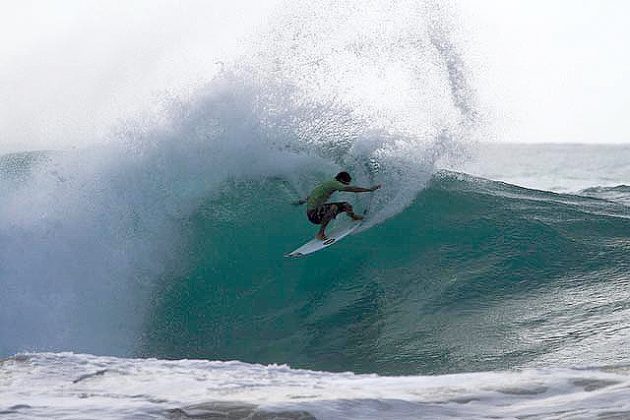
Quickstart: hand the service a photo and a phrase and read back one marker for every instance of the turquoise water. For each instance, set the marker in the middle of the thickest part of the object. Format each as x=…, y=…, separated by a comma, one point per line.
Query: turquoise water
x=492, y=277
x=167, y=240
x=459, y=281
x=474, y=275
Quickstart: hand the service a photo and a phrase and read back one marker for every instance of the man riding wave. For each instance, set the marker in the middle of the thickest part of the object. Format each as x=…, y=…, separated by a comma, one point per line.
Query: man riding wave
x=320, y=212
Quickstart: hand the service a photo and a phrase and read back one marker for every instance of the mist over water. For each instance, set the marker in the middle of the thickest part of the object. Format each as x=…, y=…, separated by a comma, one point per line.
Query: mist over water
x=90, y=233
x=494, y=278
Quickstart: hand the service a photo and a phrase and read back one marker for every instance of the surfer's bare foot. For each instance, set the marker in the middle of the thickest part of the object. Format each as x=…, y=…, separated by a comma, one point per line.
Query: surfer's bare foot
x=321, y=236
x=356, y=217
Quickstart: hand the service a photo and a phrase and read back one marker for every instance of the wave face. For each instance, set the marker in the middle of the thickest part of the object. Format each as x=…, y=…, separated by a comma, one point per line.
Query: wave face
x=91, y=238
x=474, y=275
x=168, y=240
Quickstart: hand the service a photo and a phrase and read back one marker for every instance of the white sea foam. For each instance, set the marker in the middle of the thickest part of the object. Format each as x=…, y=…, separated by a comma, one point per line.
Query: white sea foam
x=77, y=386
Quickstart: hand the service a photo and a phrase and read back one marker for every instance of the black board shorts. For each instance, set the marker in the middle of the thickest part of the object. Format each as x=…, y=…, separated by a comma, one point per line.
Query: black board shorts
x=326, y=212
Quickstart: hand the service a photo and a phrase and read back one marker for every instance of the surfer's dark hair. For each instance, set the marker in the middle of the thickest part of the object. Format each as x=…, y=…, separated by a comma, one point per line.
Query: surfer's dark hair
x=343, y=177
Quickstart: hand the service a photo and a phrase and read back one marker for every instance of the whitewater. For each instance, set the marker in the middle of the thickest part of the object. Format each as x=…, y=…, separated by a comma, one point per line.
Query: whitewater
x=143, y=274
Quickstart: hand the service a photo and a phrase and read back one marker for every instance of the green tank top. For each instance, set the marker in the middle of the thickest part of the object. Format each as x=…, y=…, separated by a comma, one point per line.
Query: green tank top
x=322, y=193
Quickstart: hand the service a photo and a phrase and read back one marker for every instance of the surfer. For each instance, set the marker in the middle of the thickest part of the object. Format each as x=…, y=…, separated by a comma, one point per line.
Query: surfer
x=320, y=212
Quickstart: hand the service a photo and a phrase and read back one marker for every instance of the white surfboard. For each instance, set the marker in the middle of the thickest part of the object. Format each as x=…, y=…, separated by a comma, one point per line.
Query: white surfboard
x=331, y=238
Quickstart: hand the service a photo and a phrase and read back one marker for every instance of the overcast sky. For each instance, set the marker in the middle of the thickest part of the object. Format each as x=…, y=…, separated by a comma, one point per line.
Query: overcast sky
x=552, y=70
x=545, y=71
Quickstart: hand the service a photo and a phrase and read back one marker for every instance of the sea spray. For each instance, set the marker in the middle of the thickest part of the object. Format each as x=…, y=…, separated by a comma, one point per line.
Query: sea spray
x=92, y=235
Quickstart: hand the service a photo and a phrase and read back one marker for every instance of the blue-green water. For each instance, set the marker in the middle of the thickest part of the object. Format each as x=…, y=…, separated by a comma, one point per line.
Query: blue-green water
x=458, y=281
x=493, y=277
x=472, y=275
x=167, y=238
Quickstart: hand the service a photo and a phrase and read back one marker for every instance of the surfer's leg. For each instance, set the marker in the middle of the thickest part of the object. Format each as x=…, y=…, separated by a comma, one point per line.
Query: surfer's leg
x=356, y=216
x=347, y=208
x=321, y=235
x=331, y=211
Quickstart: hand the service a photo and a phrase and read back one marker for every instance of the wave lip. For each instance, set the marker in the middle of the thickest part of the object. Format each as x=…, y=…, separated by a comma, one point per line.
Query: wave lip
x=69, y=386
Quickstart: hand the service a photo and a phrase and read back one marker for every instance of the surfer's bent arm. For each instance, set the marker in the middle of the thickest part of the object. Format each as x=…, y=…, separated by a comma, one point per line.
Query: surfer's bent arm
x=361, y=189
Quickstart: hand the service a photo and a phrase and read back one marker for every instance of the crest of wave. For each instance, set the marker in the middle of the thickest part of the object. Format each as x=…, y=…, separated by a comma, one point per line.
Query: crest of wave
x=377, y=88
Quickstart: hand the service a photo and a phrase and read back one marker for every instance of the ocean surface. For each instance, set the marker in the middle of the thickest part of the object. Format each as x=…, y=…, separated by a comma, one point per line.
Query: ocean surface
x=144, y=276
x=481, y=299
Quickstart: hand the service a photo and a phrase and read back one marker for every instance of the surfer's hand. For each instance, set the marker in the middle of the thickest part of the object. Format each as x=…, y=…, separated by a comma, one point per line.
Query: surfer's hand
x=376, y=187
x=299, y=202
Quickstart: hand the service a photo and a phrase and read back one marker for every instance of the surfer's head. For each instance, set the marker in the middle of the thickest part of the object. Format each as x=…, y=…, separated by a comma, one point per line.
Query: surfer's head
x=343, y=177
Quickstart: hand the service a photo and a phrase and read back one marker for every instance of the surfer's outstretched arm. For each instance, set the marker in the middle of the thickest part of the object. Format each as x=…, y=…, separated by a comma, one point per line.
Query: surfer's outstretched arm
x=361, y=189
x=299, y=202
